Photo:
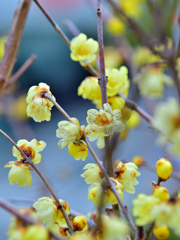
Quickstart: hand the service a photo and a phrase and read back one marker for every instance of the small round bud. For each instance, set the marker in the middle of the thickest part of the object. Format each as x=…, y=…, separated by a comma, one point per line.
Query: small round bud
x=138, y=160
x=80, y=224
x=163, y=169
x=161, y=232
x=161, y=193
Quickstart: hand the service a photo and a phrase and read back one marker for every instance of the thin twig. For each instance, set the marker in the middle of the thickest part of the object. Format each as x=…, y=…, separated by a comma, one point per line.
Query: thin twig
x=113, y=189
x=71, y=27
x=21, y=70
x=24, y=217
x=148, y=231
x=175, y=75
x=29, y=161
x=63, y=35
x=13, y=41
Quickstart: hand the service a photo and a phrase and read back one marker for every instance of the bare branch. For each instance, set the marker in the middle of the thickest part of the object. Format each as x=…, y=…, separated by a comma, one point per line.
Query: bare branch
x=13, y=41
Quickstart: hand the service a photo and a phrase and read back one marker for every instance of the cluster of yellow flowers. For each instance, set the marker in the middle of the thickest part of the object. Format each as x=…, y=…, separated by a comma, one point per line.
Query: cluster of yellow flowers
x=157, y=208
x=20, y=171
x=125, y=177
x=117, y=82
x=167, y=118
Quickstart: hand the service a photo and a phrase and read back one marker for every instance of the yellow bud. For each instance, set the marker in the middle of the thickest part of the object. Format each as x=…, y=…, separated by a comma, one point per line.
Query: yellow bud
x=161, y=232
x=164, y=169
x=161, y=193
x=115, y=26
x=80, y=224
x=78, y=149
x=138, y=160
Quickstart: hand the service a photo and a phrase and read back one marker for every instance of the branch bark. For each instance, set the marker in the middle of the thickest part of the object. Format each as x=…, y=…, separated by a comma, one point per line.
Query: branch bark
x=13, y=41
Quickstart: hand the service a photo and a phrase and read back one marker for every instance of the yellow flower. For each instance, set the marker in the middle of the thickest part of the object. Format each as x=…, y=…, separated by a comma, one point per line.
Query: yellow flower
x=116, y=102
x=133, y=8
x=161, y=193
x=114, y=228
x=105, y=120
x=38, y=106
x=175, y=218
x=117, y=81
x=36, y=232
x=3, y=40
x=114, y=26
x=113, y=58
x=151, y=81
x=47, y=210
x=161, y=232
x=69, y=132
x=163, y=169
x=60, y=229
x=19, y=173
x=138, y=160
x=78, y=149
x=79, y=224
x=93, y=134
x=162, y=213
x=142, y=56
x=83, y=49
x=126, y=174
x=143, y=206
x=111, y=197
x=95, y=191
x=90, y=89
x=93, y=173
x=31, y=149
x=134, y=120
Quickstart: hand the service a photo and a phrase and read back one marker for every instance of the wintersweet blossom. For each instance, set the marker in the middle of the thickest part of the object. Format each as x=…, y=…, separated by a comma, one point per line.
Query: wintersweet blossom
x=47, y=210
x=114, y=26
x=161, y=193
x=105, y=120
x=83, y=50
x=117, y=81
x=151, y=81
x=78, y=149
x=90, y=89
x=38, y=106
x=126, y=174
x=161, y=232
x=143, y=206
x=69, y=132
x=92, y=173
x=19, y=173
x=119, y=187
x=163, y=169
x=31, y=149
x=103, y=123
x=79, y=224
x=60, y=229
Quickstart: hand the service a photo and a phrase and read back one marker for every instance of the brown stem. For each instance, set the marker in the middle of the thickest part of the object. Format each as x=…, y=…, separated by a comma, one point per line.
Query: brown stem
x=71, y=27
x=24, y=217
x=63, y=35
x=30, y=162
x=113, y=189
x=148, y=231
x=13, y=41
x=48, y=96
x=21, y=70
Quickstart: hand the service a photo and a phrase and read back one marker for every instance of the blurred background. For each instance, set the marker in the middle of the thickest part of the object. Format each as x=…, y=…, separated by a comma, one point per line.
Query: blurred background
x=54, y=67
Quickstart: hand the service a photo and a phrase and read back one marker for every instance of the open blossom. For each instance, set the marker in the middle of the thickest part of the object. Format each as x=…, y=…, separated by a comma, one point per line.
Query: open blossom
x=90, y=89
x=19, y=173
x=143, y=206
x=31, y=149
x=105, y=120
x=126, y=174
x=38, y=106
x=47, y=210
x=96, y=189
x=93, y=134
x=92, y=173
x=69, y=132
x=78, y=149
x=83, y=50
x=151, y=81
x=117, y=81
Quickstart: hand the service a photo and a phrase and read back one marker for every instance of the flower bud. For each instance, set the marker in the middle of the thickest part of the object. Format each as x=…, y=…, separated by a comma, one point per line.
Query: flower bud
x=161, y=193
x=161, y=232
x=163, y=169
x=80, y=224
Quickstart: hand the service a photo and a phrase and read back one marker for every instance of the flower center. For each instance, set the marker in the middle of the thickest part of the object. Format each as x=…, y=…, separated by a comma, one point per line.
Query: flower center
x=102, y=120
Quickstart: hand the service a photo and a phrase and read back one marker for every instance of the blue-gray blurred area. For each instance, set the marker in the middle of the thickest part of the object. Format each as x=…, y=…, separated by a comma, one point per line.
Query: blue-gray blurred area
x=54, y=67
